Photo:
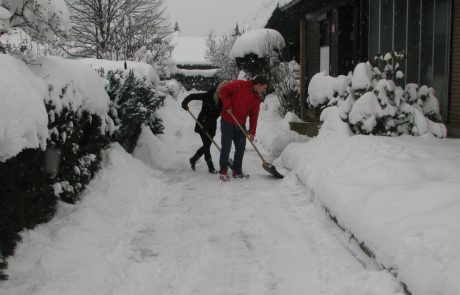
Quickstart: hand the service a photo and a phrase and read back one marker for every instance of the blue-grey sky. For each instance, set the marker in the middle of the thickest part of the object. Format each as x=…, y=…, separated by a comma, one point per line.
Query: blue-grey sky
x=199, y=17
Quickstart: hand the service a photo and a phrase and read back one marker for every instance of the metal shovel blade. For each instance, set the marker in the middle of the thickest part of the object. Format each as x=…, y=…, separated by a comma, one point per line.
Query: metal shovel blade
x=272, y=170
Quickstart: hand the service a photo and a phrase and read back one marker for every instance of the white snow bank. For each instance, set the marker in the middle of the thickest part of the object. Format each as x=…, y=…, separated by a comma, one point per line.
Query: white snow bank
x=23, y=118
x=398, y=195
x=141, y=70
x=275, y=134
x=151, y=150
x=90, y=247
x=85, y=87
x=260, y=42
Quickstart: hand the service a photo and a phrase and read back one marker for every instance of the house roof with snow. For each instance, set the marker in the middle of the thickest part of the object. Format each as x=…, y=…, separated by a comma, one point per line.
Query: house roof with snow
x=189, y=52
x=266, y=10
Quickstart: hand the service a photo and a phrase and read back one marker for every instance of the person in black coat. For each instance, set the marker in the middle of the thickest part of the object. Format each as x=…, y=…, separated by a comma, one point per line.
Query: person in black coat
x=210, y=111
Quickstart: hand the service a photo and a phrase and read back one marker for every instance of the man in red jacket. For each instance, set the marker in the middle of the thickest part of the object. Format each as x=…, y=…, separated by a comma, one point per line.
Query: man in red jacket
x=242, y=99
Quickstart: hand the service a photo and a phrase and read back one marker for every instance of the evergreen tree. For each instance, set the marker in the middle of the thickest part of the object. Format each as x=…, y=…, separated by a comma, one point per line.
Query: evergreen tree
x=176, y=27
x=236, y=31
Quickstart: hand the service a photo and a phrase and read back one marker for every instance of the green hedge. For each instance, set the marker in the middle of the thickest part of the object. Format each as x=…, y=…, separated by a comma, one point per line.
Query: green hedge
x=200, y=83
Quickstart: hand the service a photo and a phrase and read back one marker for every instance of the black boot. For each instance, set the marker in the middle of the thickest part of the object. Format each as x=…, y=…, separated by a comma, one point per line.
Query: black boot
x=192, y=161
x=211, y=168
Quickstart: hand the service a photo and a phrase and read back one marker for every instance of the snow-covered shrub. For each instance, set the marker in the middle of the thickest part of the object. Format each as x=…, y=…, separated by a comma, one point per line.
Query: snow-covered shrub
x=198, y=81
x=79, y=138
x=285, y=81
x=258, y=51
x=70, y=119
x=388, y=66
x=218, y=54
x=133, y=103
x=372, y=103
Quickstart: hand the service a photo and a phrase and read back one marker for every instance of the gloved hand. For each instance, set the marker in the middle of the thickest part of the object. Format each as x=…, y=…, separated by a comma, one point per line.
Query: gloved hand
x=251, y=137
x=185, y=106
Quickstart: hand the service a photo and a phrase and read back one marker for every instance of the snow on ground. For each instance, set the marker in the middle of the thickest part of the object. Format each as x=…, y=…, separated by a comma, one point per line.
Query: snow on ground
x=147, y=229
x=397, y=195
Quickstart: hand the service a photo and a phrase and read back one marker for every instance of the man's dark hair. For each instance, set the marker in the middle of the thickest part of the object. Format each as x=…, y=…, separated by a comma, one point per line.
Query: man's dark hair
x=260, y=79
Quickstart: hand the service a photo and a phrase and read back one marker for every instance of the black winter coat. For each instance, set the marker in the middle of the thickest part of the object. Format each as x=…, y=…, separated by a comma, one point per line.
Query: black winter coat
x=210, y=111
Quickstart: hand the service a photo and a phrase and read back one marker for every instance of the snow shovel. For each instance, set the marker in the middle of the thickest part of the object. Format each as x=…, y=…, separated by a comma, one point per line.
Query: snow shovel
x=230, y=161
x=267, y=166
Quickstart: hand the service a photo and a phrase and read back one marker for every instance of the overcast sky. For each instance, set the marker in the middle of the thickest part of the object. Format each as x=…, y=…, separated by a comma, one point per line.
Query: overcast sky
x=199, y=17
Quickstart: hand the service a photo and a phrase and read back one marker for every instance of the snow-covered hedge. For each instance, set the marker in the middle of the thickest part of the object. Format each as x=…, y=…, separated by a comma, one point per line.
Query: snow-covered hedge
x=202, y=80
x=58, y=111
x=133, y=104
x=257, y=51
x=372, y=104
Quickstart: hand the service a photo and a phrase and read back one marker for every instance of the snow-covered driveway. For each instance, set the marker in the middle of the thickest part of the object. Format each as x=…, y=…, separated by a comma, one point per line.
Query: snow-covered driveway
x=174, y=231
x=255, y=236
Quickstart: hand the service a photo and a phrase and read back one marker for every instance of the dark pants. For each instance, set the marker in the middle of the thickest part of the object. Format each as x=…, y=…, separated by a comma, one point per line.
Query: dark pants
x=205, y=149
x=231, y=133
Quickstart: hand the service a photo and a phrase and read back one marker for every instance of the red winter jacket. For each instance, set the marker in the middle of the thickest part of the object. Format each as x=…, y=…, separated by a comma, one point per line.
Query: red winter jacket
x=240, y=97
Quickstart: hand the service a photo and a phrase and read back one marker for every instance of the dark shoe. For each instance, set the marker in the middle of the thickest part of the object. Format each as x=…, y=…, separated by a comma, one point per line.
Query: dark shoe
x=240, y=175
x=224, y=176
x=192, y=163
x=211, y=168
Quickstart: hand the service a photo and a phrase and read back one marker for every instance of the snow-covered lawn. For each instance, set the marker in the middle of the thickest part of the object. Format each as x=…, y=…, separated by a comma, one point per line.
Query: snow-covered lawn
x=152, y=226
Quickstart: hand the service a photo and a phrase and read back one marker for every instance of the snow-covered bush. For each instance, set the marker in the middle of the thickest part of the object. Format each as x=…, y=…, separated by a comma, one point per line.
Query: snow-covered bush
x=258, y=51
x=70, y=118
x=285, y=79
x=79, y=138
x=202, y=80
x=133, y=103
x=372, y=104
x=218, y=54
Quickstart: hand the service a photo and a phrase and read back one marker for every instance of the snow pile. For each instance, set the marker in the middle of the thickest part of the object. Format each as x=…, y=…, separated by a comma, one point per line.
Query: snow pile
x=93, y=238
x=23, y=119
x=84, y=87
x=397, y=195
x=259, y=42
x=276, y=134
x=141, y=70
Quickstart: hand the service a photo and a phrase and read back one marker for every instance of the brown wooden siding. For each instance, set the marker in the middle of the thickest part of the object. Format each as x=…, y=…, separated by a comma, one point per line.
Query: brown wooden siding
x=454, y=107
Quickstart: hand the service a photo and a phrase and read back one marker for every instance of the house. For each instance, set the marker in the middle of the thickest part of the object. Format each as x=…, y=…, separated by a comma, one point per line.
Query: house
x=334, y=36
